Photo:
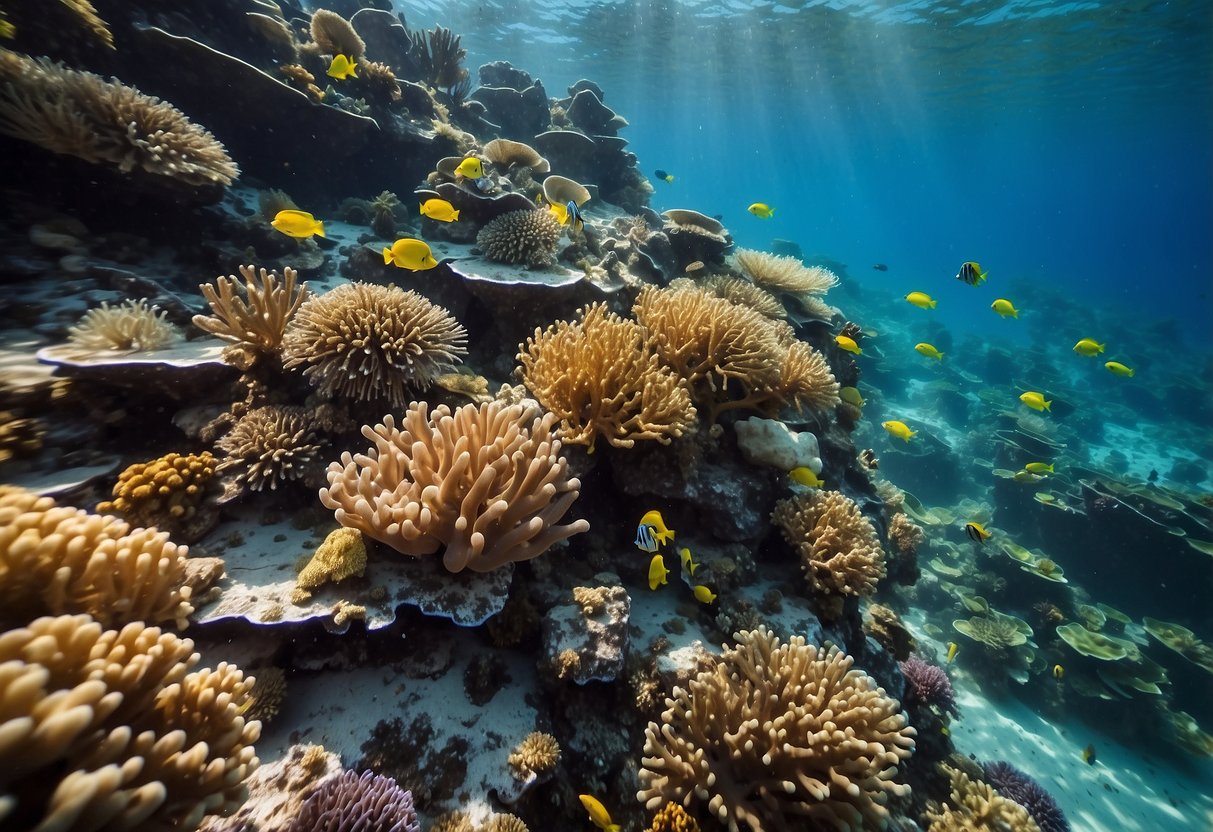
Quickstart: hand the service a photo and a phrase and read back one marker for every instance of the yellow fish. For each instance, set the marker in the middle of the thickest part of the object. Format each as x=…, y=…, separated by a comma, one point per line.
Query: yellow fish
x=929, y=351
x=921, y=299
x=1088, y=347
x=599, y=816
x=977, y=532
x=7, y=29
x=704, y=595
x=689, y=566
x=299, y=224
x=1026, y=477
x=847, y=343
x=342, y=68
x=657, y=571
x=953, y=649
x=761, y=210
x=1088, y=755
x=440, y=209
x=1039, y=467
x=1058, y=672
x=407, y=253
x=1005, y=308
x=899, y=429
x=1118, y=369
x=1035, y=400
x=654, y=521
x=851, y=395
x=560, y=212
x=805, y=476
x=470, y=168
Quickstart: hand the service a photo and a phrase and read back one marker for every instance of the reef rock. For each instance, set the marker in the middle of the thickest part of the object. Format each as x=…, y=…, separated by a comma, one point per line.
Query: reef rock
x=770, y=442
x=588, y=642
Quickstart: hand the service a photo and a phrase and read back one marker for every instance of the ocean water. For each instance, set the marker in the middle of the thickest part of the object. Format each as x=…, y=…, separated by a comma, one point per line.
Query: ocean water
x=1053, y=563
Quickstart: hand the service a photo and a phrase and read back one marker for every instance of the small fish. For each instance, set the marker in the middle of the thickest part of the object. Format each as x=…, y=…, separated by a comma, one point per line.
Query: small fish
x=1088, y=347
x=1026, y=478
x=560, y=212
x=880, y=267
x=693, y=266
x=1088, y=755
x=657, y=571
x=407, y=253
x=971, y=273
x=945, y=730
x=657, y=523
x=848, y=344
x=599, y=816
x=663, y=176
x=7, y=30
x=851, y=395
x=688, y=565
x=977, y=532
x=761, y=210
x=299, y=224
x=929, y=351
x=573, y=218
x=470, y=168
x=645, y=541
x=1058, y=672
x=899, y=429
x=1036, y=400
x=921, y=299
x=1118, y=369
x=1039, y=467
x=805, y=476
x=704, y=595
x=439, y=209
x=953, y=649
x=1005, y=308
x=342, y=68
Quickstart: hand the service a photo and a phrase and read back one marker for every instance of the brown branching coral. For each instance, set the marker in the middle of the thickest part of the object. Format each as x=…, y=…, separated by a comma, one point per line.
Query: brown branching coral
x=270, y=445
x=521, y=237
x=379, y=81
x=805, y=381
x=601, y=376
x=486, y=482
x=975, y=807
x=744, y=293
x=335, y=36
x=169, y=493
x=784, y=274
x=87, y=13
x=258, y=320
x=83, y=115
x=367, y=342
x=106, y=729
x=779, y=737
x=55, y=559
x=133, y=325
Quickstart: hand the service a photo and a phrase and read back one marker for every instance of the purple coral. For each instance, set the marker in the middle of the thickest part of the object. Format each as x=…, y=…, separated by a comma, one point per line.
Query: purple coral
x=929, y=684
x=351, y=801
x=1013, y=784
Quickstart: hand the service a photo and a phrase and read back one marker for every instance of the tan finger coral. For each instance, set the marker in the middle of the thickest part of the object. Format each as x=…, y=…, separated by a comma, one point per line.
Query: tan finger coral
x=132, y=325
x=108, y=730
x=744, y=293
x=602, y=377
x=975, y=807
x=521, y=237
x=368, y=342
x=784, y=274
x=335, y=36
x=258, y=320
x=270, y=445
x=778, y=737
x=169, y=493
x=536, y=756
x=55, y=559
x=486, y=482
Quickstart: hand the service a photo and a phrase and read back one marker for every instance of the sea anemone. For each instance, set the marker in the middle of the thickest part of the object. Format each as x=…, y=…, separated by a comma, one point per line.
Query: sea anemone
x=1013, y=784
x=929, y=684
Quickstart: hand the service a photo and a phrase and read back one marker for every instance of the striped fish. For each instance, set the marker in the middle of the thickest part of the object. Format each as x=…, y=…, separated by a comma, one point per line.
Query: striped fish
x=971, y=273
x=645, y=540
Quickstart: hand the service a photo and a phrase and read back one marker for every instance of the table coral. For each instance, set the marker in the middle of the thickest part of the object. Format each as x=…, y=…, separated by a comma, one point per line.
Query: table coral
x=521, y=237
x=132, y=325
x=778, y=737
x=486, y=482
x=168, y=493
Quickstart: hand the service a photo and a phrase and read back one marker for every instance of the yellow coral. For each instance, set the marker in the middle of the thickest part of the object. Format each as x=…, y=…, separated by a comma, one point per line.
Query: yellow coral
x=975, y=807
x=342, y=555
x=538, y=754
x=166, y=493
x=673, y=818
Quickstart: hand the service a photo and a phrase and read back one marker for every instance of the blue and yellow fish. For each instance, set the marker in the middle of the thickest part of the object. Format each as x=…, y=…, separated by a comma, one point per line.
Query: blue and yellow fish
x=971, y=273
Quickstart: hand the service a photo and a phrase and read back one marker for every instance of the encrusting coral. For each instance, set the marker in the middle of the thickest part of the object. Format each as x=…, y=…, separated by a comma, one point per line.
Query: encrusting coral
x=486, y=482
x=270, y=445
x=779, y=737
x=335, y=36
x=342, y=555
x=132, y=325
x=258, y=320
x=536, y=756
x=521, y=237
x=975, y=807
x=368, y=342
x=169, y=493
x=55, y=559
x=352, y=801
x=601, y=376
x=107, y=729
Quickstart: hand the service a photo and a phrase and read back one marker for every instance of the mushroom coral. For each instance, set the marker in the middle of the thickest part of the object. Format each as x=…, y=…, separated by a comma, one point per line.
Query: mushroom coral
x=779, y=737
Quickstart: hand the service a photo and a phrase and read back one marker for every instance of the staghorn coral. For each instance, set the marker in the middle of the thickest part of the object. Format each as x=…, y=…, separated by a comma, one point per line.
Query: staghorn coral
x=109, y=730
x=352, y=801
x=55, y=559
x=486, y=482
x=81, y=114
x=270, y=445
x=784, y=274
x=838, y=547
x=132, y=325
x=368, y=342
x=778, y=737
x=169, y=493
x=521, y=237
x=673, y=818
x=975, y=807
x=601, y=376
x=1014, y=785
x=536, y=756
x=929, y=684
x=258, y=320
x=335, y=36
x=744, y=293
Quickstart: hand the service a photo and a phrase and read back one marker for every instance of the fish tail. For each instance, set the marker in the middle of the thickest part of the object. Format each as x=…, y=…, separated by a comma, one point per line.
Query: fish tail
x=455, y=214
x=1047, y=403
x=421, y=210
x=1132, y=373
x=932, y=304
x=387, y=256
x=319, y=229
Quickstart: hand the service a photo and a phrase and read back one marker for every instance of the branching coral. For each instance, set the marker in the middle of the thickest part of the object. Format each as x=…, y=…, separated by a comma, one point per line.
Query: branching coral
x=784, y=274
x=779, y=737
x=1014, y=785
x=536, y=756
x=521, y=237
x=335, y=36
x=439, y=56
x=487, y=482
x=258, y=320
x=601, y=376
x=352, y=801
x=805, y=381
x=133, y=325
x=167, y=493
x=744, y=293
x=105, y=729
x=975, y=807
x=369, y=342
x=673, y=818
x=270, y=445
x=81, y=114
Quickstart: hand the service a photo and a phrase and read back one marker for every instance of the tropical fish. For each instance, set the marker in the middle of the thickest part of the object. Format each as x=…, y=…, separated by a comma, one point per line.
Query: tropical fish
x=654, y=520
x=1088, y=755
x=1118, y=369
x=899, y=429
x=806, y=476
x=342, y=68
x=880, y=267
x=1088, y=347
x=657, y=571
x=470, y=168
x=1039, y=467
x=440, y=209
x=921, y=299
x=572, y=218
x=7, y=30
x=1026, y=478
x=704, y=595
x=847, y=343
x=971, y=273
x=689, y=566
x=929, y=351
x=1035, y=400
x=1058, y=672
x=851, y=395
x=645, y=541
x=299, y=224
x=663, y=176
x=1005, y=308
x=953, y=649
x=560, y=212
x=599, y=816
x=761, y=210
x=407, y=253
x=977, y=532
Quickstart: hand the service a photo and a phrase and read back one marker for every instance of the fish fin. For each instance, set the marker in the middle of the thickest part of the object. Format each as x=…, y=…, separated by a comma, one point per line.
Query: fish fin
x=455, y=214
x=933, y=304
x=1047, y=407
x=319, y=229
x=1014, y=313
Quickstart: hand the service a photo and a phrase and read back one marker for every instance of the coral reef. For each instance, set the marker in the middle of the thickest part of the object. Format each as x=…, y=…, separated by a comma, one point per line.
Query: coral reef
x=342, y=555
x=905, y=535
x=521, y=237
x=170, y=493
x=1013, y=784
x=975, y=807
x=744, y=293
x=132, y=325
x=357, y=801
x=784, y=274
x=270, y=445
x=884, y=625
x=929, y=684
x=335, y=36
x=779, y=735
x=258, y=320
x=486, y=482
